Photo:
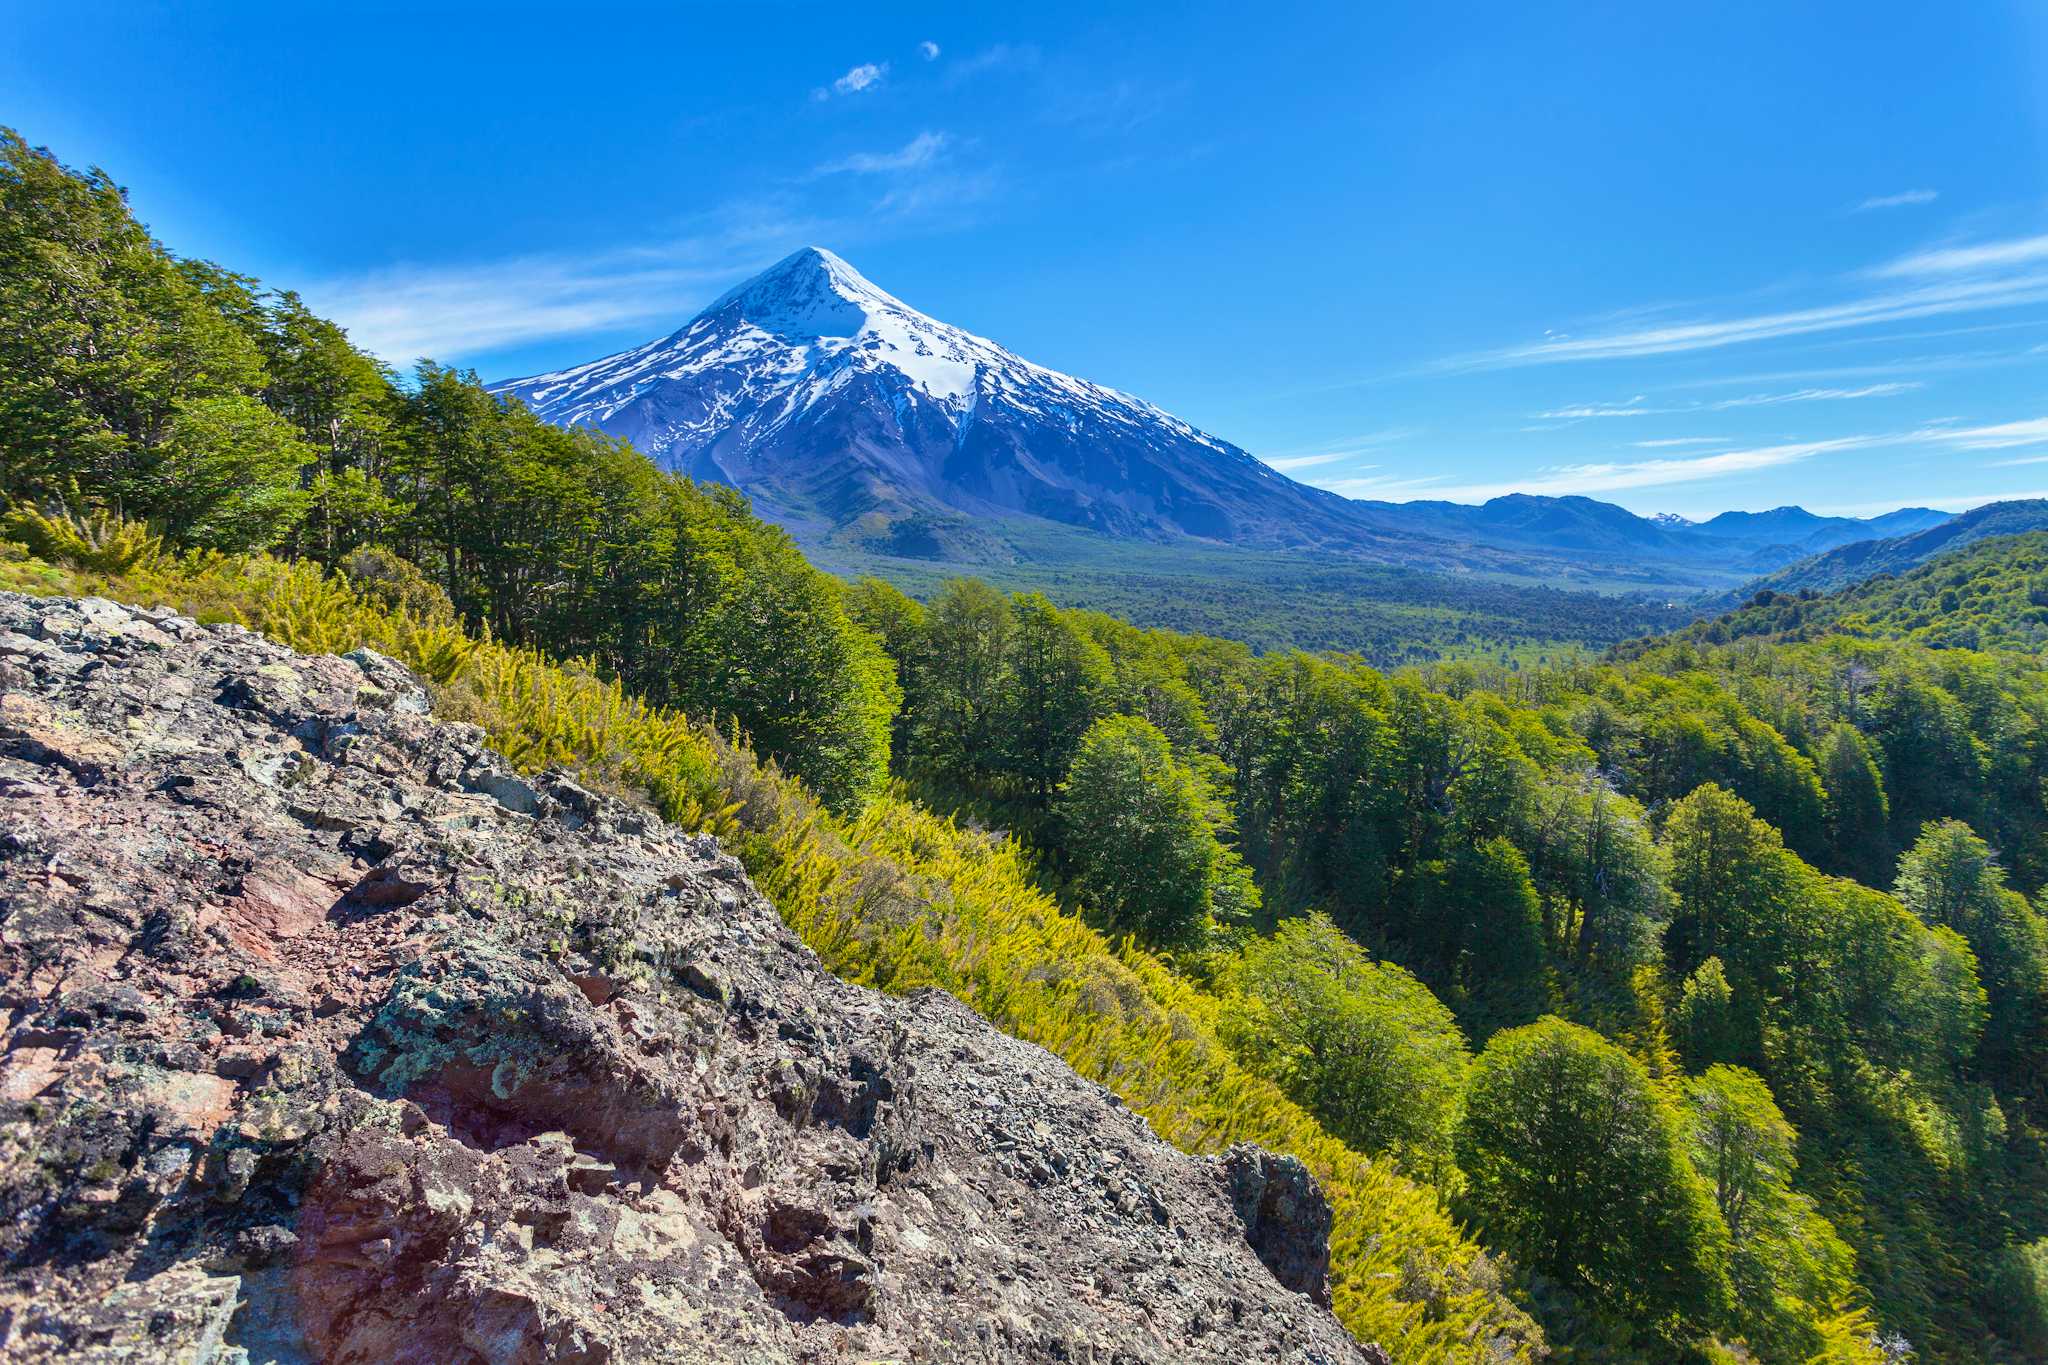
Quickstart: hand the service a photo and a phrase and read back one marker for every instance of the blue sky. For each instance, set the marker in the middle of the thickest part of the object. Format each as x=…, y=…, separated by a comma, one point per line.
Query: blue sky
x=1732, y=257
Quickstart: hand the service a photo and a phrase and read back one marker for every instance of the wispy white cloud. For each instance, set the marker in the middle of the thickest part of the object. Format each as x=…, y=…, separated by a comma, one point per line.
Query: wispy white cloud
x=456, y=310
x=1923, y=301
x=937, y=196
x=1114, y=107
x=919, y=152
x=928, y=50
x=1948, y=280
x=1634, y=406
x=1760, y=400
x=1619, y=476
x=1614, y=477
x=1675, y=442
x=1001, y=57
x=1937, y=333
x=862, y=77
x=1906, y=199
x=866, y=76
x=1960, y=259
x=459, y=309
x=1913, y=365
x=1288, y=463
x=1332, y=452
x=452, y=311
x=2003, y=436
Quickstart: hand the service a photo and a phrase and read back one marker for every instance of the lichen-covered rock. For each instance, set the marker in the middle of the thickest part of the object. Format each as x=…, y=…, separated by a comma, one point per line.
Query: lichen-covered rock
x=1285, y=1217
x=331, y=1038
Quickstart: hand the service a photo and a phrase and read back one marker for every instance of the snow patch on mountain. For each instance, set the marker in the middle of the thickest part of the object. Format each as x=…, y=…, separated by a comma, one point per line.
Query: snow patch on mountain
x=806, y=329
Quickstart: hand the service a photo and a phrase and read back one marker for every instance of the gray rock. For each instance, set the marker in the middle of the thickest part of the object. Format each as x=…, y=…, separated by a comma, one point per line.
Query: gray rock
x=1285, y=1217
x=320, y=1048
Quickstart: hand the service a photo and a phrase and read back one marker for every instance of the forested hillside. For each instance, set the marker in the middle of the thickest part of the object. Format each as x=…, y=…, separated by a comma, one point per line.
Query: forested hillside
x=1756, y=869
x=1991, y=594
x=1706, y=989
x=1848, y=565
x=776, y=728
x=1387, y=616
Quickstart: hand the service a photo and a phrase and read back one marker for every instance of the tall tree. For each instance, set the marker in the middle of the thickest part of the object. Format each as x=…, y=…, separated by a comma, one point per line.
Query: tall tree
x=1361, y=1044
x=1950, y=878
x=1052, y=688
x=1790, y=1271
x=967, y=637
x=1858, y=813
x=126, y=380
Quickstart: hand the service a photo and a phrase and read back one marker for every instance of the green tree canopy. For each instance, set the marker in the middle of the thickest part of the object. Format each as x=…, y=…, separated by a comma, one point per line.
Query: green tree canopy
x=1858, y=812
x=126, y=380
x=1055, y=680
x=1579, y=1167
x=1949, y=878
x=1144, y=834
x=1363, y=1045
x=1790, y=1271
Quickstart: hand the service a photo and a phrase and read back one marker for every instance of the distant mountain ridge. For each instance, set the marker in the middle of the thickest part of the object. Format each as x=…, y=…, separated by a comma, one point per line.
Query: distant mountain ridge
x=853, y=419
x=1797, y=526
x=1737, y=541
x=1859, y=561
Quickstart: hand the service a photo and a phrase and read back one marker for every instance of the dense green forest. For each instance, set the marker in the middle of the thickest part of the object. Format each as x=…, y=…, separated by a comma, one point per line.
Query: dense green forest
x=1991, y=594
x=1386, y=615
x=1761, y=873
x=1704, y=987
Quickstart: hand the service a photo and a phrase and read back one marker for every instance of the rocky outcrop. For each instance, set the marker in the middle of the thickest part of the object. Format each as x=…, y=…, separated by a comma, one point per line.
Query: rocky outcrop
x=331, y=1038
x=1285, y=1217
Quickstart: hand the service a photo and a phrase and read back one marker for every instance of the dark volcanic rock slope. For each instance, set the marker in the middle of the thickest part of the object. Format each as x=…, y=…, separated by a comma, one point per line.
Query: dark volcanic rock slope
x=330, y=1038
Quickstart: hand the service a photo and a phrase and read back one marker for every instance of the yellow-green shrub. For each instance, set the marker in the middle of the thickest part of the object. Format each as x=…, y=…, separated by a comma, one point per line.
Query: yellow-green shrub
x=99, y=542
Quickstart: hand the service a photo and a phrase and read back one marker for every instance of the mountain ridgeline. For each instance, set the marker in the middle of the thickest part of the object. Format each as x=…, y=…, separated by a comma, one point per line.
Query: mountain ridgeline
x=853, y=419
x=833, y=404
x=1897, y=552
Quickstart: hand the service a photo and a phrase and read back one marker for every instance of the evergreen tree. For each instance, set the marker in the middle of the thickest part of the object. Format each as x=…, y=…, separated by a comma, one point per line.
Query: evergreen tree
x=1950, y=878
x=1728, y=876
x=1707, y=1031
x=967, y=638
x=1053, y=685
x=126, y=380
x=1791, y=1273
x=228, y=473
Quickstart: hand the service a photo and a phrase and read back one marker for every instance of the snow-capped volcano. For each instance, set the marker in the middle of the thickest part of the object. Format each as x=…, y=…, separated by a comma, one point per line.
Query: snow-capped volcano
x=832, y=402
x=846, y=414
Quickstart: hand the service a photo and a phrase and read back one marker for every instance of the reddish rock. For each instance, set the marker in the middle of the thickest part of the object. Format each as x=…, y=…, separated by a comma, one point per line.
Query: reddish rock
x=330, y=1038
